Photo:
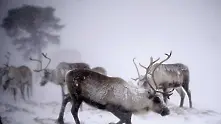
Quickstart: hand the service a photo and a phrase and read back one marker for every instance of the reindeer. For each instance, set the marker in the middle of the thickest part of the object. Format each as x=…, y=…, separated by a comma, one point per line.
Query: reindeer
x=57, y=75
x=16, y=78
x=112, y=94
x=168, y=76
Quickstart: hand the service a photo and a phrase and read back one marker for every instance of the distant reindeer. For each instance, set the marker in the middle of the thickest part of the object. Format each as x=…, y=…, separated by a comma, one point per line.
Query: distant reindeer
x=60, y=119
x=112, y=94
x=168, y=76
x=17, y=78
x=57, y=76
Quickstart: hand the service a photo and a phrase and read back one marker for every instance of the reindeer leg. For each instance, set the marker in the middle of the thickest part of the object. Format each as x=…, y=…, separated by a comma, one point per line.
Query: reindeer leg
x=124, y=116
x=60, y=119
x=190, y=98
x=74, y=109
x=186, y=88
x=28, y=87
x=14, y=93
x=22, y=91
x=182, y=95
x=62, y=92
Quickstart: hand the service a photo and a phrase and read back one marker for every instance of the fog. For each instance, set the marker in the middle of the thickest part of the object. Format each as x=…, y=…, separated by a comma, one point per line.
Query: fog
x=110, y=33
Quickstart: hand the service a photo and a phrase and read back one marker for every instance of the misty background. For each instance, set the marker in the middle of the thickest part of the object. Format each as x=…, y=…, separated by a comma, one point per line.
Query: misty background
x=110, y=33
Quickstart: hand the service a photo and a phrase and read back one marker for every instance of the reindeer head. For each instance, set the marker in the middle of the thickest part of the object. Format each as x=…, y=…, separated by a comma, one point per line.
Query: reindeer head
x=156, y=103
x=6, y=78
x=149, y=79
x=5, y=72
x=6, y=81
x=47, y=73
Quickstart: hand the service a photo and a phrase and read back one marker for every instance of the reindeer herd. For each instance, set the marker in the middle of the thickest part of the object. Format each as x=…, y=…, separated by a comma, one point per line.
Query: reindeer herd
x=94, y=87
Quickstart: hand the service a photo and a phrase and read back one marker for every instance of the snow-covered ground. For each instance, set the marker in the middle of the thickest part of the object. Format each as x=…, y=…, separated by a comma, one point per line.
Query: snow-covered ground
x=44, y=109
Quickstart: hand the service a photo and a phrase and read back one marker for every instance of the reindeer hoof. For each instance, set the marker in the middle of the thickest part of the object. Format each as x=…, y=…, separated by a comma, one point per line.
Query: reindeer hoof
x=59, y=121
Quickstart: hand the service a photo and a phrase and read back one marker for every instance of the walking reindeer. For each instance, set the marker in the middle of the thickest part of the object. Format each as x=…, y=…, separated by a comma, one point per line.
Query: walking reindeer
x=60, y=119
x=112, y=94
x=168, y=76
x=57, y=75
x=17, y=78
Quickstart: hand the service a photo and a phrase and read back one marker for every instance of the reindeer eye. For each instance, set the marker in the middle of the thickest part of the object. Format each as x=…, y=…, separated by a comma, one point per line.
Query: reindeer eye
x=156, y=100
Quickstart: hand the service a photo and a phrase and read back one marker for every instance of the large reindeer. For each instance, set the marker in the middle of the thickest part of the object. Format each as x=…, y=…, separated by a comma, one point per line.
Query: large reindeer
x=168, y=76
x=112, y=94
x=17, y=78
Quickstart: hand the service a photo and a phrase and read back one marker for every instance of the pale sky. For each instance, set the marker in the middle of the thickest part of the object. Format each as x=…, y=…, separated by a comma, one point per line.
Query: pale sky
x=110, y=33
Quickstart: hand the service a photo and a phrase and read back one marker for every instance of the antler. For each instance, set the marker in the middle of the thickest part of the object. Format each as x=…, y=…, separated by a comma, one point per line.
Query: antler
x=168, y=56
x=135, y=79
x=148, y=72
x=37, y=61
x=45, y=55
x=150, y=65
x=165, y=93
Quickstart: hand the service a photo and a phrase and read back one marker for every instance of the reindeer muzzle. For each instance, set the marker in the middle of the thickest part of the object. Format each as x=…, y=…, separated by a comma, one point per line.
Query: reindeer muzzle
x=165, y=112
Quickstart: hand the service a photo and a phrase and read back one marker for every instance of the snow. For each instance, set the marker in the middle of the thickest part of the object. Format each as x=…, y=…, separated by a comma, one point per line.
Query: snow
x=44, y=109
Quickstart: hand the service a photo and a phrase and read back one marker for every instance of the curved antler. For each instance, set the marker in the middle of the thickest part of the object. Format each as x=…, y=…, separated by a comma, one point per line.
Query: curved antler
x=168, y=56
x=45, y=55
x=150, y=65
x=135, y=79
x=148, y=72
x=37, y=61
